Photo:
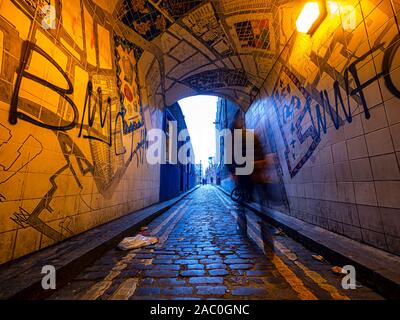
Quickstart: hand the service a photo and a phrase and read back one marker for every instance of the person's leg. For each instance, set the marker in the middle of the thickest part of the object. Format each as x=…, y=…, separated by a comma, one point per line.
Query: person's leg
x=248, y=186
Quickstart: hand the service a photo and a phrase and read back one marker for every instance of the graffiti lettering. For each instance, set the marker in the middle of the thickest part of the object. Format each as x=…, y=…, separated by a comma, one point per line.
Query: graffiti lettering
x=315, y=106
x=129, y=128
x=321, y=122
x=92, y=114
x=93, y=103
x=388, y=59
x=27, y=50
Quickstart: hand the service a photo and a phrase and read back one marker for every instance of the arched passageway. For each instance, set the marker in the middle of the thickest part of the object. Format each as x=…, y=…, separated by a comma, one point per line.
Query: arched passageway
x=82, y=82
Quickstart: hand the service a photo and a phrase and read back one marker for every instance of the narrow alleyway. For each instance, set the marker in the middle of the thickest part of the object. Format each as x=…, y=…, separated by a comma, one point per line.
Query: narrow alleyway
x=204, y=253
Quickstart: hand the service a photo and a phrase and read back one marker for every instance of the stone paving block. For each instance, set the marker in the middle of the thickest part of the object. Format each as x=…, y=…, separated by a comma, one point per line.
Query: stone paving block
x=193, y=273
x=218, y=272
x=206, y=280
x=140, y=266
x=211, y=261
x=163, y=252
x=166, y=257
x=178, y=291
x=188, y=261
x=240, y=266
x=237, y=261
x=225, y=252
x=148, y=291
x=197, y=266
x=211, y=248
x=196, y=257
x=211, y=290
x=216, y=266
x=249, y=291
x=232, y=256
x=167, y=267
x=207, y=253
x=147, y=281
x=249, y=256
x=160, y=273
x=171, y=282
x=164, y=261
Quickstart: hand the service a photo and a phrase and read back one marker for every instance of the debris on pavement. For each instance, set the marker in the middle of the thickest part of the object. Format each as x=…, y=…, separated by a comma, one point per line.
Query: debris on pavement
x=280, y=232
x=339, y=271
x=318, y=258
x=136, y=242
x=292, y=256
x=144, y=228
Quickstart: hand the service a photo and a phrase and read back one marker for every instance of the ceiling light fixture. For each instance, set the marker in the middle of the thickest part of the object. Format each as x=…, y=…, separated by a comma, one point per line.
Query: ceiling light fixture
x=311, y=17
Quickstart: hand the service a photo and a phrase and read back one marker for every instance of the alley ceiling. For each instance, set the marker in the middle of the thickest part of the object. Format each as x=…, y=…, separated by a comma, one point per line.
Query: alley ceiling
x=223, y=47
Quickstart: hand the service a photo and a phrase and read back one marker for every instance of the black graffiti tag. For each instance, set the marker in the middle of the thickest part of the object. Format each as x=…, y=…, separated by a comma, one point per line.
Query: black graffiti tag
x=27, y=50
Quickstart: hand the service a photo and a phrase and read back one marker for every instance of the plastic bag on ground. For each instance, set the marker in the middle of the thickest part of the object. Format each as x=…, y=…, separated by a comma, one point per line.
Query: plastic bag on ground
x=136, y=242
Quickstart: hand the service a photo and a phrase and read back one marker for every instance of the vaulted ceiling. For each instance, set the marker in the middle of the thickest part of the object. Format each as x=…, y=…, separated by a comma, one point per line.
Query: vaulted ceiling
x=218, y=47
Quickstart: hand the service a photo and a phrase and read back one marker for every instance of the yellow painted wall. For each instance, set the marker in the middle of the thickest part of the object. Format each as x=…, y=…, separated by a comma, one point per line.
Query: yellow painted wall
x=62, y=172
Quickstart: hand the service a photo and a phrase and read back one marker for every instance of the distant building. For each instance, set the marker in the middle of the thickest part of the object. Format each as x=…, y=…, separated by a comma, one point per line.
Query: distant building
x=211, y=171
x=227, y=114
x=199, y=173
x=175, y=178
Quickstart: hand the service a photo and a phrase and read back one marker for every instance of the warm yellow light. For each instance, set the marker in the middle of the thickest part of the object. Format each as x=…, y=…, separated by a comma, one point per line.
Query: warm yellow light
x=333, y=7
x=308, y=16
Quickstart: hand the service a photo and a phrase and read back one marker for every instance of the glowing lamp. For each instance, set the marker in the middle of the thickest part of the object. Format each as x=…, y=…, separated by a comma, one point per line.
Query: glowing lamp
x=333, y=7
x=311, y=17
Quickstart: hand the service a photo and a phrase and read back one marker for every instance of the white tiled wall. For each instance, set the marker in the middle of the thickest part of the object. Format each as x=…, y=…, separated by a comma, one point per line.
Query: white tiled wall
x=350, y=184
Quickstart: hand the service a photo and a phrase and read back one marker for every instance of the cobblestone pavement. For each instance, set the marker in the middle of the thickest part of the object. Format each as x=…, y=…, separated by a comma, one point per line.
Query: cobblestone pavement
x=204, y=253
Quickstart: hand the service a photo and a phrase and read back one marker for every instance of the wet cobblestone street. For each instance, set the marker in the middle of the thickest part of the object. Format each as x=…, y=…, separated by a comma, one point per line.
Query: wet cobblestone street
x=209, y=247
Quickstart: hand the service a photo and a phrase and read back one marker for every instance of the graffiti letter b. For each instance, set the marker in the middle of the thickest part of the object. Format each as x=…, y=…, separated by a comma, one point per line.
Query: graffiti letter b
x=59, y=123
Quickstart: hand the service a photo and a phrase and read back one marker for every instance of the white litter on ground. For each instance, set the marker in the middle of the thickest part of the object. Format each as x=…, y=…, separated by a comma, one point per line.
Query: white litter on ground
x=138, y=241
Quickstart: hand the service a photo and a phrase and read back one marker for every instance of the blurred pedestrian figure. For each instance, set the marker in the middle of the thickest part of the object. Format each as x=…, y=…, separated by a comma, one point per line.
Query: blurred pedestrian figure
x=264, y=167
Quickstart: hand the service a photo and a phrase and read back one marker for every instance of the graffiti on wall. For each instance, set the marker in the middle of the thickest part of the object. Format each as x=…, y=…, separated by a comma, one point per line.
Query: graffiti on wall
x=131, y=115
x=144, y=18
x=204, y=24
x=71, y=152
x=150, y=19
x=84, y=122
x=254, y=34
x=107, y=121
x=178, y=8
x=305, y=116
x=219, y=78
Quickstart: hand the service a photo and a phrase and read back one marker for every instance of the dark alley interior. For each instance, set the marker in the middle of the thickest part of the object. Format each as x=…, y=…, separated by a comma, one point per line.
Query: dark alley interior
x=96, y=150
